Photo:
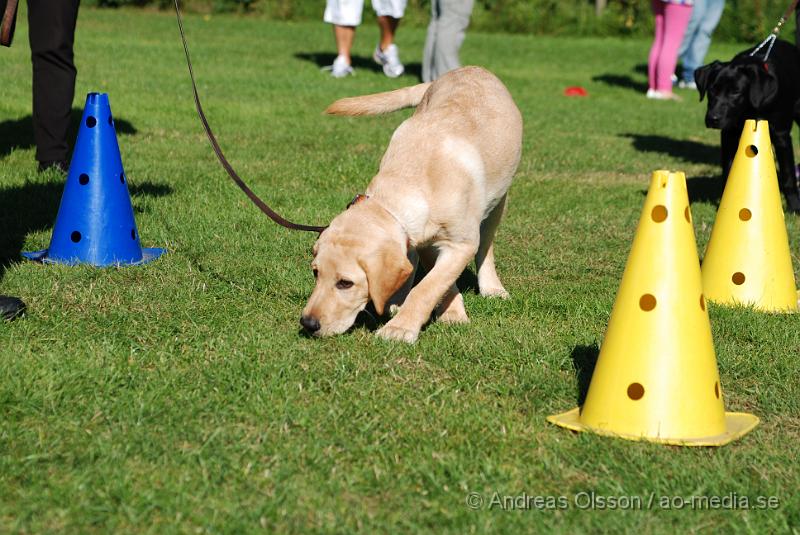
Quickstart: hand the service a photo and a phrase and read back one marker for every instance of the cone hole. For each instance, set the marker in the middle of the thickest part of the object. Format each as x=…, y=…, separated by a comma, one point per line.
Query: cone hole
x=122, y=178
x=659, y=213
x=133, y=233
x=75, y=236
x=687, y=214
x=83, y=179
x=647, y=302
x=91, y=122
x=751, y=151
x=635, y=391
x=110, y=121
x=745, y=214
x=738, y=278
x=716, y=389
x=702, y=303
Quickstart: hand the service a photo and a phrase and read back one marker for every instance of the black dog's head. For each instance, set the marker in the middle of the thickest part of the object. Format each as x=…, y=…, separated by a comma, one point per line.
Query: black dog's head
x=742, y=87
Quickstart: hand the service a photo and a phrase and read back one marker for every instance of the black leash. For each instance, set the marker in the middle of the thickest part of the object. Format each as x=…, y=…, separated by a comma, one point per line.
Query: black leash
x=775, y=31
x=221, y=157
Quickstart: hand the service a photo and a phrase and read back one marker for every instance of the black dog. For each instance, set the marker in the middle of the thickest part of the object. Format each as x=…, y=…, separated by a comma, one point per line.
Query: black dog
x=750, y=88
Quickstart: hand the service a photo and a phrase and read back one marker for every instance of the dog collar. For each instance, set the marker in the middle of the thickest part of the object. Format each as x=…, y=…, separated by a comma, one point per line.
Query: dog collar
x=357, y=199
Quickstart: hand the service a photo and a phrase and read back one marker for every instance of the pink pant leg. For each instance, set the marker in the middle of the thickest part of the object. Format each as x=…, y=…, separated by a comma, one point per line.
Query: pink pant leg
x=676, y=19
x=658, y=41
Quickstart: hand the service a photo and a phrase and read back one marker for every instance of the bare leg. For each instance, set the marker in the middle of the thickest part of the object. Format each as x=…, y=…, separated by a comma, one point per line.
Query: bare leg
x=452, y=259
x=451, y=307
x=344, y=35
x=388, y=26
x=488, y=281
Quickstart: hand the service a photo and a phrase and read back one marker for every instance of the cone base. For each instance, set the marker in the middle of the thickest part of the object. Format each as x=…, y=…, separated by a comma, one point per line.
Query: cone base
x=148, y=255
x=732, y=303
x=738, y=424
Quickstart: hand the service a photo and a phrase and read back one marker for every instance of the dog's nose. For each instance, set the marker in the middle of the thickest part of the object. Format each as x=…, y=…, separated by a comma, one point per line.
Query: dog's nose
x=309, y=323
x=713, y=121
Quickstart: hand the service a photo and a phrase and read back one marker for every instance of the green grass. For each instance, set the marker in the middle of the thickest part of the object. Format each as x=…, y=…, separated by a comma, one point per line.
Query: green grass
x=180, y=396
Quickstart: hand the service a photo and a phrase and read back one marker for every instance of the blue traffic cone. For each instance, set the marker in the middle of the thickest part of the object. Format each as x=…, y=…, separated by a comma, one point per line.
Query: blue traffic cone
x=95, y=223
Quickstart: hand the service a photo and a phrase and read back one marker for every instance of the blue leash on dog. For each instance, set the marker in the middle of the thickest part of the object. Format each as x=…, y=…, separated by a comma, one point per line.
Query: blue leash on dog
x=272, y=214
x=773, y=36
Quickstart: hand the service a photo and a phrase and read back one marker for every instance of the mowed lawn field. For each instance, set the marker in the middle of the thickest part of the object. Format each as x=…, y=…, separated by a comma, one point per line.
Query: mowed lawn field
x=180, y=397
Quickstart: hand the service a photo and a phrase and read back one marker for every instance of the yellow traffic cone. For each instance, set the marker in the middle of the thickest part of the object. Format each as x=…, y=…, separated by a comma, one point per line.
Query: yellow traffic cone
x=747, y=260
x=656, y=376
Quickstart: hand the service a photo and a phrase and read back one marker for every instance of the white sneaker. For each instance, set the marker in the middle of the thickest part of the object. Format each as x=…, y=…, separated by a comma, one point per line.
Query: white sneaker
x=340, y=68
x=687, y=85
x=390, y=59
x=662, y=95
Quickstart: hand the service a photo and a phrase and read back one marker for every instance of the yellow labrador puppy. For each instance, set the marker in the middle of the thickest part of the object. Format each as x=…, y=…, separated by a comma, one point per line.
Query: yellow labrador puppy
x=439, y=194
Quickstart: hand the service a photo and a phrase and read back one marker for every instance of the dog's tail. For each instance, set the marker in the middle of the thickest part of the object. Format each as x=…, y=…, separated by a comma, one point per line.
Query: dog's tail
x=379, y=103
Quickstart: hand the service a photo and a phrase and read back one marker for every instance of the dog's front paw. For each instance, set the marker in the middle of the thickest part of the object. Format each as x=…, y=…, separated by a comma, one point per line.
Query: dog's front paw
x=495, y=291
x=398, y=333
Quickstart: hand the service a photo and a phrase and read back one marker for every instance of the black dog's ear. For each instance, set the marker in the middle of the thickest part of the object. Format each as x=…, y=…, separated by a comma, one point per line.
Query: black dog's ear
x=763, y=85
x=704, y=76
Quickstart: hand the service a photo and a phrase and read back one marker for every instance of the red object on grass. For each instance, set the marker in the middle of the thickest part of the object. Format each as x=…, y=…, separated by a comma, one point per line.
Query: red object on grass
x=576, y=91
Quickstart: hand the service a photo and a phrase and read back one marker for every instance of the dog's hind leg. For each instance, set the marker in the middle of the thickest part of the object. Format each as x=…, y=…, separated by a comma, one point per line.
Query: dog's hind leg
x=488, y=282
x=451, y=308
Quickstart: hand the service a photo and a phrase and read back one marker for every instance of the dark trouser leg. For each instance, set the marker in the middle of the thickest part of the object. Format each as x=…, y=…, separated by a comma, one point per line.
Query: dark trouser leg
x=729, y=143
x=797, y=26
x=787, y=178
x=52, y=33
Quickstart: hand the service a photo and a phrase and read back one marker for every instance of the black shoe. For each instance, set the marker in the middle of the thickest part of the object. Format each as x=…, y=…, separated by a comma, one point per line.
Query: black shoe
x=11, y=307
x=59, y=165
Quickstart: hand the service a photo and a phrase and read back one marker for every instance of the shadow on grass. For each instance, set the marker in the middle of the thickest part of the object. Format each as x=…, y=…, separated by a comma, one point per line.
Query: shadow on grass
x=688, y=151
x=18, y=133
x=33, y=207
x=584, y=359
x=621, y=81
x=703, y=189
x=325, y=59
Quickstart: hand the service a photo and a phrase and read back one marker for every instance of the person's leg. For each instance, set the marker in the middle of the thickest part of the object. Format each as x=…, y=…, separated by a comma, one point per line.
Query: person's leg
x=676, y=18
x=658, y=39
x=52, y=34
x=797, y=26
x=453, y=23
x=698, y=12
x=430, y=42
x=388, y=26
x=344, y=36
x=389, y=13
x=345, y=16
x=696, y=53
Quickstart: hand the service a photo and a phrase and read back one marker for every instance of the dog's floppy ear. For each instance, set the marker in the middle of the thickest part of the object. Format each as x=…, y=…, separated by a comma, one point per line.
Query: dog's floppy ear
x=763, y=85
x=387, y=268
x=704, y=76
